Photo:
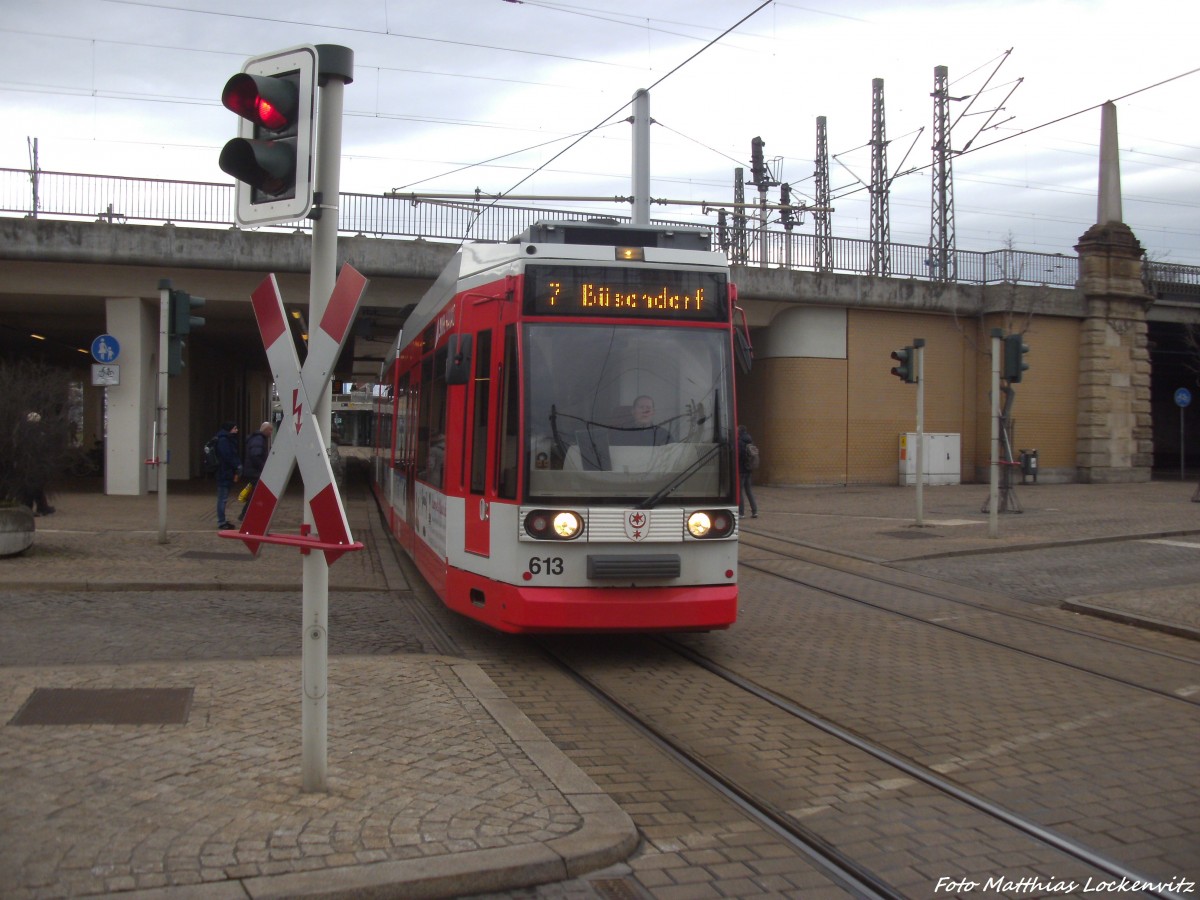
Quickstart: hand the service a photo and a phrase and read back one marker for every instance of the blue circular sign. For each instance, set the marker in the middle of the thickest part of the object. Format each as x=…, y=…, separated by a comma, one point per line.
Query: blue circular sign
x=105, y=349
x=1183, y=397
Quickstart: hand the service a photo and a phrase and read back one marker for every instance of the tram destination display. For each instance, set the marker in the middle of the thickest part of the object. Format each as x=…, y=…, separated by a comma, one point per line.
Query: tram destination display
x=627, y=292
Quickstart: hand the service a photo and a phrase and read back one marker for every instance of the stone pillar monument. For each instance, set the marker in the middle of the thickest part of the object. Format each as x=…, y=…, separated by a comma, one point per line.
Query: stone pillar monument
x=1114, y=439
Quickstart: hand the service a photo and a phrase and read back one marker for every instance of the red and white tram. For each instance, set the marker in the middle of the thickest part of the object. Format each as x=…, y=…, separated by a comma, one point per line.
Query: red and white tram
x=556, y=429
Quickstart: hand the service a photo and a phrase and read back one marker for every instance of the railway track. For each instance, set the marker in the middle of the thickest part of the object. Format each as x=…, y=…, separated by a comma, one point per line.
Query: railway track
x=899, y=781
x=1168, y=674
x=873, y=810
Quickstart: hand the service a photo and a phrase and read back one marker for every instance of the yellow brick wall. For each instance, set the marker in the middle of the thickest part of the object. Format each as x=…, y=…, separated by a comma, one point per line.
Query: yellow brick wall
x=800, y=413
x=883, y=407
x=1045, y=409
x=836, y=421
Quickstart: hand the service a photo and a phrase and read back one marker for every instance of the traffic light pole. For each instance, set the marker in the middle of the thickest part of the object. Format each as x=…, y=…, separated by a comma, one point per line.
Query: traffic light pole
x=161, y=453
x=919, y=346
x=994, y=480
x=336, y=70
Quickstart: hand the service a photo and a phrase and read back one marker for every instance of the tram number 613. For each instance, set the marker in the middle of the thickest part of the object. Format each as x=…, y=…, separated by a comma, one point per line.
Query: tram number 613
x=546, y=565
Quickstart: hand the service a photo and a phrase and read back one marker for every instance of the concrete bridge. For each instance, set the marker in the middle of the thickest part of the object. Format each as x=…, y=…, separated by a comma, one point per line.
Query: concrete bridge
x=821, y=399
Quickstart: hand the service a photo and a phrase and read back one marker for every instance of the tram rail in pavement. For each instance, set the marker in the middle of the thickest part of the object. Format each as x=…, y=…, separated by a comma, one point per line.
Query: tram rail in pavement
x=438, y=782
x=878, y=523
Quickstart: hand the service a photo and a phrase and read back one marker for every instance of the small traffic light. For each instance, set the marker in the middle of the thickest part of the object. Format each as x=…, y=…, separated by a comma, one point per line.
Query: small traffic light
x=272, y=157
x=180, y=323
x=785, y=200
x=182, y=304
x=758, y=168
x=905, y=365
x=1015, y=349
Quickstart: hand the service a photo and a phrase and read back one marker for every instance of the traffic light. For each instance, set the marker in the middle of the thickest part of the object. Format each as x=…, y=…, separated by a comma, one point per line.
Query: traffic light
x=758, y=168
x=905, y=365
x=180, y=323
x=785, y=200
x=1015, y=349
x=272, y=157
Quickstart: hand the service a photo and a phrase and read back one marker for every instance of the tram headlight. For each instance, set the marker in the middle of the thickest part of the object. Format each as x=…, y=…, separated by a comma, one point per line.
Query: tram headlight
x=567, y=525
x=708, y=524
x=553, y=524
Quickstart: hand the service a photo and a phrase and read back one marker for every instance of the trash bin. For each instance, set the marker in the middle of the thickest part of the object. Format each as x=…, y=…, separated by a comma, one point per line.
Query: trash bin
x=1029, y=465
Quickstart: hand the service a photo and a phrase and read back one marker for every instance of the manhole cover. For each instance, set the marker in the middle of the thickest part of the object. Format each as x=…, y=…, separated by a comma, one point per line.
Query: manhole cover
x=105, y=706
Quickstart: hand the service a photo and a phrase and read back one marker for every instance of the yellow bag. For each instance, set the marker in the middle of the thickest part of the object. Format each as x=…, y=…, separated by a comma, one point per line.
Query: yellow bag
x=245, y=494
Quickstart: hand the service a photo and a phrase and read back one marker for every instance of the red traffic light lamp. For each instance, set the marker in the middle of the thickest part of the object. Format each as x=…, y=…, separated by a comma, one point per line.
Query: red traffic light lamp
x=272, y=157
x=269, y=102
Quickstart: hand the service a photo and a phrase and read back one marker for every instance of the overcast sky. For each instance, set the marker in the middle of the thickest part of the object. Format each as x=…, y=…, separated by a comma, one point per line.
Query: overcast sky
x=442, y=87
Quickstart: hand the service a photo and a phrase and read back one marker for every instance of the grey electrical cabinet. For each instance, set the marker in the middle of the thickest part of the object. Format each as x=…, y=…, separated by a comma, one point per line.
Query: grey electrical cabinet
x=942, y=458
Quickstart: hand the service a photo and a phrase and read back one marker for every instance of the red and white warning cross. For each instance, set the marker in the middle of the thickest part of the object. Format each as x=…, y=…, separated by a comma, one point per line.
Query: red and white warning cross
x=298, y=440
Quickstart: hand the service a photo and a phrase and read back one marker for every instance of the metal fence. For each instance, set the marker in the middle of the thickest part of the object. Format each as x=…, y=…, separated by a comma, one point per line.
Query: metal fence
x=110, y=198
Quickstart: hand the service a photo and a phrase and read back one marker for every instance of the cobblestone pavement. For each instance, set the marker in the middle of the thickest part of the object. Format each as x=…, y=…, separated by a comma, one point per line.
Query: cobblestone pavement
x=1129, y=551
x=438, y=781
x=437, y=784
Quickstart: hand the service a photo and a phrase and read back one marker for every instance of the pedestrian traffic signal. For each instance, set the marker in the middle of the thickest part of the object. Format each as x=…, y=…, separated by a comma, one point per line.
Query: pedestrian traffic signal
x=272, y=157
x=180, y=323
x=905, y=368
x=1015, y=349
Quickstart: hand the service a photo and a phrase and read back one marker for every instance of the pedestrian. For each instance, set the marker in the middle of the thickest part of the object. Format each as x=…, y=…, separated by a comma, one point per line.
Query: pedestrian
x=746, y=472
x=229, y=470
x=256, y=458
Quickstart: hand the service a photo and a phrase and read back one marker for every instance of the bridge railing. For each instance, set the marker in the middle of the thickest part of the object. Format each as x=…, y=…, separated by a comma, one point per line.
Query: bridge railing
x=112, y=198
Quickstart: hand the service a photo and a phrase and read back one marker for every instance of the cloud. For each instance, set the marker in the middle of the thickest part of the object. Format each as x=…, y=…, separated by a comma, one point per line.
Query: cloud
x=131, y=87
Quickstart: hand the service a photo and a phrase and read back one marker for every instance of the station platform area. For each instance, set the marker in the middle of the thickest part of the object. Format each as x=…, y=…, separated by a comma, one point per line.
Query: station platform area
x=438, y=784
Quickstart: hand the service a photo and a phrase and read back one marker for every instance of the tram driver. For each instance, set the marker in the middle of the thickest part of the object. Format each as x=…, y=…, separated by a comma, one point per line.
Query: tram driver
x=643, y=432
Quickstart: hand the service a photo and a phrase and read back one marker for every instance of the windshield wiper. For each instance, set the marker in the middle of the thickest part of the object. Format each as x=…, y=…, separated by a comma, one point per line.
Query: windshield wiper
x=667, y=489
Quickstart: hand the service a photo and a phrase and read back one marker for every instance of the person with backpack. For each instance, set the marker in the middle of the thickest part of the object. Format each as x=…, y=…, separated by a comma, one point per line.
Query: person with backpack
x=747, y=463
x=229, y=470
x=256, y=458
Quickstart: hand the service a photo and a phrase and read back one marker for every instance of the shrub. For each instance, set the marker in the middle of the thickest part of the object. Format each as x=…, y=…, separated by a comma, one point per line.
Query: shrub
x=35, y=428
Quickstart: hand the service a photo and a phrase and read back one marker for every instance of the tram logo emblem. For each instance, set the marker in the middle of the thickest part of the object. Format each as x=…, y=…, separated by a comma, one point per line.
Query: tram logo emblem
x=637, y=524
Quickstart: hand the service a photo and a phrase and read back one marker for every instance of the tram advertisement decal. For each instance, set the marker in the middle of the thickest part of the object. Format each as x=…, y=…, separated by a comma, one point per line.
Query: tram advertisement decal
x=431, y=518
x=627, y=292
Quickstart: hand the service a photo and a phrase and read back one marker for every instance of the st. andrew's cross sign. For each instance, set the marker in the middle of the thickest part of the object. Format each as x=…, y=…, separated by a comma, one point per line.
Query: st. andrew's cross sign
x=299, y=439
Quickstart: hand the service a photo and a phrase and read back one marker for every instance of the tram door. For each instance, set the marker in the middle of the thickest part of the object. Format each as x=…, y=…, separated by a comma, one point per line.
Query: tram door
x=479, y=447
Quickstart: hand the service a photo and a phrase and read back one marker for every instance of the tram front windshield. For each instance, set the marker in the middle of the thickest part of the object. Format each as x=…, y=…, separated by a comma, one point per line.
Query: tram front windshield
x=629, y=413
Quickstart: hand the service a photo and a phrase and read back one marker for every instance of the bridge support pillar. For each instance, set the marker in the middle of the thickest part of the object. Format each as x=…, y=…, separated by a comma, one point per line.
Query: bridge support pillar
x=1114, y=435
x=130, y=404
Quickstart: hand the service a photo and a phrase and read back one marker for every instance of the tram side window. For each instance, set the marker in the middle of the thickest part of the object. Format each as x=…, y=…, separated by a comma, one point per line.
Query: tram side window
x=400, y=436
x=431, y=432
x=479, y=435
x=506, y=484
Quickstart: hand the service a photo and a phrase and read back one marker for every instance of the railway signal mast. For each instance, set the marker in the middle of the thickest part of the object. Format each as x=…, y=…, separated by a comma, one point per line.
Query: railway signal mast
x=760, y=176
x=286, y=162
